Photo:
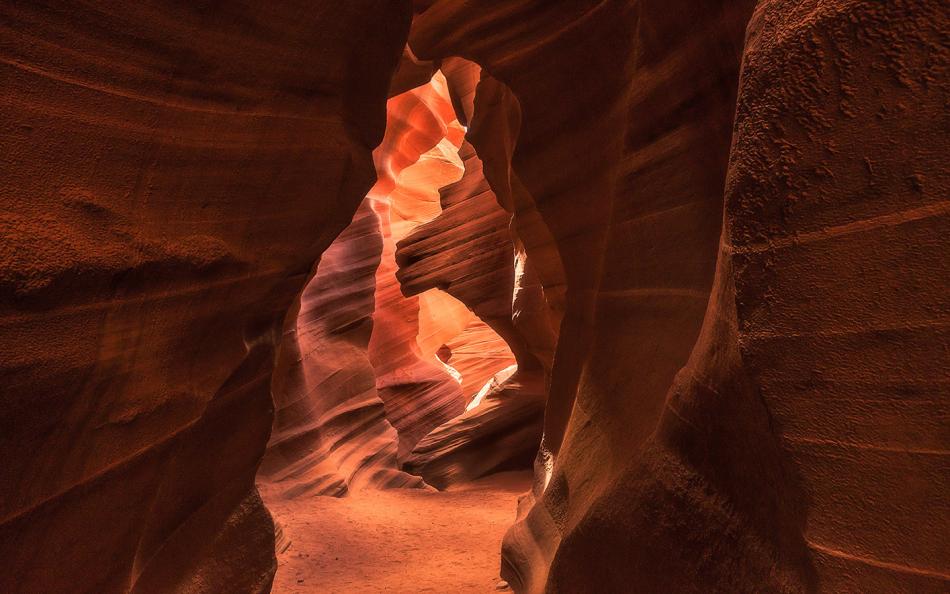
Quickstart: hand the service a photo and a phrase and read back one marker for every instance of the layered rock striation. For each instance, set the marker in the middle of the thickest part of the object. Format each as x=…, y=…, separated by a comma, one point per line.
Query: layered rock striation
x=170, y=174
x=725, y=387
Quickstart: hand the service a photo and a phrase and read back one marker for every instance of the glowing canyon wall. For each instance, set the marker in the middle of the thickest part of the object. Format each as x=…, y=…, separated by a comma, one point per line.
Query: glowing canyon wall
x=359, y=380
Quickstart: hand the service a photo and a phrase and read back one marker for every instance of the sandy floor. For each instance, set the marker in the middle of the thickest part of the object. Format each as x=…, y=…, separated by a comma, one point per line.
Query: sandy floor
x=398, y=542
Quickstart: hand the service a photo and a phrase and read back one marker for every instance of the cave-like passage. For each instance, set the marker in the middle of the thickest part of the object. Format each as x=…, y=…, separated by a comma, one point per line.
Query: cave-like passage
x=392, y=382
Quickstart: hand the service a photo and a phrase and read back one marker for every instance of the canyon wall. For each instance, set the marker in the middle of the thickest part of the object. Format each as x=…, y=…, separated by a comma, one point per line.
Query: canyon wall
x=751, y=441
x=334, y=394
x=419, y=154
x=171, y=171
x=839, y=234
x=467, y=251
x=331, y=435
x=729, y=246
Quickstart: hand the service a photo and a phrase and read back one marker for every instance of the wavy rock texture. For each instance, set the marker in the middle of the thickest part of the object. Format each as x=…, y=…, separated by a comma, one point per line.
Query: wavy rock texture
x=735, y=287
x=331, y=435
x=331, y=431
x=478, y=353
x=418, y=392
x=520, y=43
x=539, y=52
x=356, y=358
x=170, y=174
x=539, y=281
x=732, y=475
x=501, y=433
x=467, y=251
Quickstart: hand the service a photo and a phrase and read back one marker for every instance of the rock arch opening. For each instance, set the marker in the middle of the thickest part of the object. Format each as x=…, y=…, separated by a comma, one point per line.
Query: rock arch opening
x=404, y=363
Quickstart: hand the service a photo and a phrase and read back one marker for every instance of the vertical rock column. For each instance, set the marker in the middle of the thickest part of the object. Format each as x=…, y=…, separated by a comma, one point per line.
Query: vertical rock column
x=839, y=232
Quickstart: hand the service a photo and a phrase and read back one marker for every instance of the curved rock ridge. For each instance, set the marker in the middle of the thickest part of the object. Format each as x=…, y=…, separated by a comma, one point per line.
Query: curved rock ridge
x=478, y=353
x=770, y=461
x=331, y=435
x=417, y=157
x=170, y=174
x=352, y=364
x=331, y=432
x=513, y=41
x=467, y=251
x=494, y=130
x=501, y=432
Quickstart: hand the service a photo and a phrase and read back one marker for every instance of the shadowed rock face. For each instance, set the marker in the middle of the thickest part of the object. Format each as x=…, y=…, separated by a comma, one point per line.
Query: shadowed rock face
x=838, y=220
x=170, y=172
x=765, y=463
x=467, y=251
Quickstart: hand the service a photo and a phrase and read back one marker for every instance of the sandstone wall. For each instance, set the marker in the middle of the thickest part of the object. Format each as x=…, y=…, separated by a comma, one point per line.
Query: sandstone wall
x=770, y=461
x=171, y=171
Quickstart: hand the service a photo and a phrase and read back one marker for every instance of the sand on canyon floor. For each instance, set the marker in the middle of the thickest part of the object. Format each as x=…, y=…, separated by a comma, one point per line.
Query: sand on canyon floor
x=398, y=541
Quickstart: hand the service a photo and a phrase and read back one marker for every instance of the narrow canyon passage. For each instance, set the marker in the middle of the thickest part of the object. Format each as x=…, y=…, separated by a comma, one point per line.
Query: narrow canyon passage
x=392, y=380
x=397, y=541
x=565, y=297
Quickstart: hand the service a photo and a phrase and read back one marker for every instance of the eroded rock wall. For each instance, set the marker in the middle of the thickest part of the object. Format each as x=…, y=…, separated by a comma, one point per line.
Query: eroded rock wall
x=839, y=230
x=331, y=435
x=769, y=461
x=420, y=155
x=467, y=251
x=747, y=394
x=363, y=353
x=170, y=174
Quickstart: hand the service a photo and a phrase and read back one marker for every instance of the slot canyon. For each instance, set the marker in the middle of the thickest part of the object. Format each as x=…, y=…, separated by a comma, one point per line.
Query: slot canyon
x=458, y=296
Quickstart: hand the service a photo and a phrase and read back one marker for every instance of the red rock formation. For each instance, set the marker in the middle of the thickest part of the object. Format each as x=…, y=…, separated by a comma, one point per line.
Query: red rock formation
x=540, y=280
x=330, y=432
x=170, y=173
x=334, y=431
x=478, y=353
x=501, y=432
x=418, y=392
x=838, y=226
x=467, y=251
x=735, y=481
x=747, y=393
